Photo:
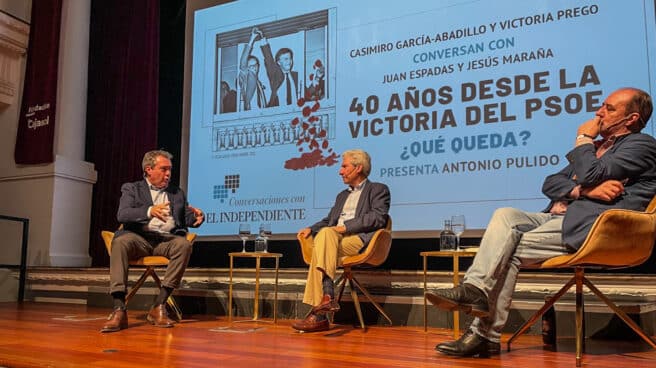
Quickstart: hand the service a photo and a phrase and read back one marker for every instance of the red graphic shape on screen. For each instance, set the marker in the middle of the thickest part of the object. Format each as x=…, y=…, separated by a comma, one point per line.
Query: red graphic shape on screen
x=311, y=159
x=312, y=140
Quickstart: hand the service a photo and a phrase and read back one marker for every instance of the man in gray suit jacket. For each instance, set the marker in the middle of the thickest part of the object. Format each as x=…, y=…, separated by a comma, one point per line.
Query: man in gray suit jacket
x=155, y=216
x=359, y=211
x=618, y=171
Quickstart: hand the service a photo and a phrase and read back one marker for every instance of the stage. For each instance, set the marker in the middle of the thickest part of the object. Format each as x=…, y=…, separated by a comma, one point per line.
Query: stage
x=66, y=335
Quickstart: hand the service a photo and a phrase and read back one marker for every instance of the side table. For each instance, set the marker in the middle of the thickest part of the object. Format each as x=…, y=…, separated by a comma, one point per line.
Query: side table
x=256, y=300
x=455, y=255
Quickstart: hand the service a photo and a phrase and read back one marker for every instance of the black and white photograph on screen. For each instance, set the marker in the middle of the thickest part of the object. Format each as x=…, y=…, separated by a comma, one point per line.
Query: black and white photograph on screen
x=272, y=67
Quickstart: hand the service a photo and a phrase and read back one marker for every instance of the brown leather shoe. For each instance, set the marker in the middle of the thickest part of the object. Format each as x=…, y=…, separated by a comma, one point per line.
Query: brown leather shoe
x=311, y=324
x=327, y=305
x=117, y=320
x=158, y=317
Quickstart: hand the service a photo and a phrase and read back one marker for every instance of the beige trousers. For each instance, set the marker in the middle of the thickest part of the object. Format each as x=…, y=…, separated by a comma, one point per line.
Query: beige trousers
x=327, y=253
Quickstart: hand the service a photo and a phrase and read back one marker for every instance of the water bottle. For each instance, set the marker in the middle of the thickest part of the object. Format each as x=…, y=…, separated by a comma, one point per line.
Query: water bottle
x=260, y=244
x=447, y=237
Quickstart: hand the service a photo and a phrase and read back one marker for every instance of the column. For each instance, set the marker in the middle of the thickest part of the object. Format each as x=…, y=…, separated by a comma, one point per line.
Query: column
x=73, y=177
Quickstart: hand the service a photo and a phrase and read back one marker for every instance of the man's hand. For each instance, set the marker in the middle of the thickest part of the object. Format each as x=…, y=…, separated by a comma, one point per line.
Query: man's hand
x=340, y=229
x=558, y=208
x=255, y=34
x=606, y=191
x=161, y=211
x=304, y=233
x=590, y=127
x=198, y=214
x=576, y=192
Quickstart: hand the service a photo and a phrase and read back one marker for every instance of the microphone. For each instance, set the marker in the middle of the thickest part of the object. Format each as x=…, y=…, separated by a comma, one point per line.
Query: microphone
x=615, y=123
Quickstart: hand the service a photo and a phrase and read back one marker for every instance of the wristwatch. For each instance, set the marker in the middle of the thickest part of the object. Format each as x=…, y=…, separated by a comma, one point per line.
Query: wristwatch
x=581, y=136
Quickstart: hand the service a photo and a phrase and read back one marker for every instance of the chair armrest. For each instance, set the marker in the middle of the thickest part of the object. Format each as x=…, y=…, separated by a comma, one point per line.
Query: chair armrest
x=618, y=238
x=107, y=237
x=375, y=253
x=306, y=247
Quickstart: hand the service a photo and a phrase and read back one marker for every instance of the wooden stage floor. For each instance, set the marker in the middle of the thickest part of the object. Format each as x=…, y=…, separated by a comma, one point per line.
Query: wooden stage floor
x=65, y=335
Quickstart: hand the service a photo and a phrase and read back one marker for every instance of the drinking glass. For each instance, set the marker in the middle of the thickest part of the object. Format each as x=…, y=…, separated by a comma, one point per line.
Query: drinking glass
x=458, y=227
x=244, y=233
x=265, y=233
x=265, y=230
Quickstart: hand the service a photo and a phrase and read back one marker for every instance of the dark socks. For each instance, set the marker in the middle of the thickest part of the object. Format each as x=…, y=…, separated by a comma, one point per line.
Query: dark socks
x=119, y=300
x=164, y=293
x=328, y=286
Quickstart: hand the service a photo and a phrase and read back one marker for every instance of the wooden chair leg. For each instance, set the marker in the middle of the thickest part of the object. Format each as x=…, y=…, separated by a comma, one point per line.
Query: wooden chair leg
x=339, y=279
x=342, y=283
x=150, y=271
x=620, y=313
x=170, y=301
x=174, y=307
x=158, y=282
x=371, y=299
x=541, y=311
x=138, y=284
x=579, y=280
x=356, y=303
x=578, y=275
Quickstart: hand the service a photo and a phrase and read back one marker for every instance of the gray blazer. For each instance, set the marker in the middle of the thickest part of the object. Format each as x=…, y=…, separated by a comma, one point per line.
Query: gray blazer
x=370, y=215
x=135, y=200
x=632, y=159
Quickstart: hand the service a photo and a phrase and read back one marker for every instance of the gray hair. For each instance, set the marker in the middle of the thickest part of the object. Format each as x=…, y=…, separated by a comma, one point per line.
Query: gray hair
x=151, y=156
x=359, y=158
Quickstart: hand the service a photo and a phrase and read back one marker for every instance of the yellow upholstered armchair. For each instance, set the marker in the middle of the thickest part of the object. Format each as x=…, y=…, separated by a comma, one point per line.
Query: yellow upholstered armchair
x=374, y=255
x=617, y=239
x=150, y=263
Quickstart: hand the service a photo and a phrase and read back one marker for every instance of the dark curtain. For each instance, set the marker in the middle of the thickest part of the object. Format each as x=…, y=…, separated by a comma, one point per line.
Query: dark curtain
x=171, y=80
x=36, y=123
x=122, y=103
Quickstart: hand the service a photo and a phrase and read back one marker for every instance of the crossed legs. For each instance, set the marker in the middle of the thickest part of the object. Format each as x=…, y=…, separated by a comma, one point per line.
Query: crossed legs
x=328, y=249
x=513, y=239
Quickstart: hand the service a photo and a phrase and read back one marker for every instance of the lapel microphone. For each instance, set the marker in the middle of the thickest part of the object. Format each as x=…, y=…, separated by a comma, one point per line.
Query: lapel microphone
x=615, y=123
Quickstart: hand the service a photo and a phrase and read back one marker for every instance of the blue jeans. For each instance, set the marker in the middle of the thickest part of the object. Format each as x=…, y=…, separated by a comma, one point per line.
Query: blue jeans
x=513, y=239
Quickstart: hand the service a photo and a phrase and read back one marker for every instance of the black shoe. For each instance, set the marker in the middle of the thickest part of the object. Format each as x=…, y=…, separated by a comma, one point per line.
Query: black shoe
x=469, y=344
x=466, y=298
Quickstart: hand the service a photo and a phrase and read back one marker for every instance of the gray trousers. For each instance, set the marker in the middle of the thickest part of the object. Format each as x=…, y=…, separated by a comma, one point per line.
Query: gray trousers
x=131, y=246
x=513, y=239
